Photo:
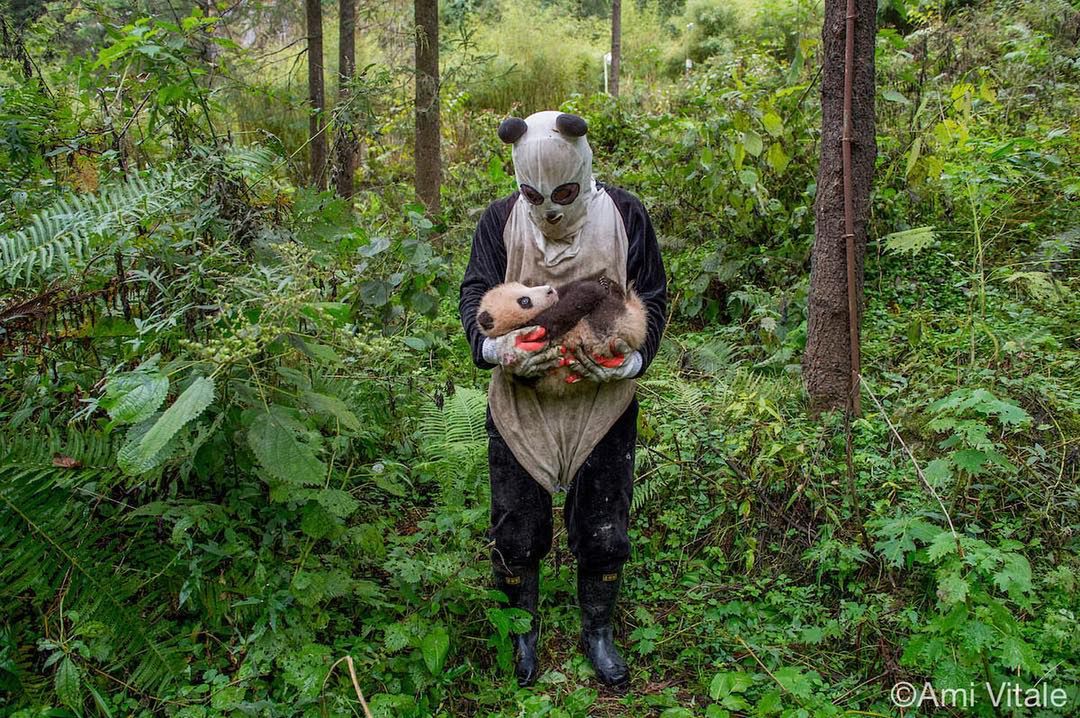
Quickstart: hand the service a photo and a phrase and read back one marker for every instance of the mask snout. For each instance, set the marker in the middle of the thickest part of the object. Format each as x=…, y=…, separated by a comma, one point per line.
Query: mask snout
x=553, y=216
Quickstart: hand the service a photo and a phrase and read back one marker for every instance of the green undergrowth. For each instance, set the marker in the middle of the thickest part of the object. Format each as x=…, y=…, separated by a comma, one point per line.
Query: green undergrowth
x=243, y=454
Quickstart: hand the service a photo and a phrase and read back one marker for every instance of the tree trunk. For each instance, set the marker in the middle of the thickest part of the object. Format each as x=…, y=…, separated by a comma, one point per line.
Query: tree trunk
x=316, y=93
x=616, y=46
x=827, y=363
x=345, y=142
x=428, y=160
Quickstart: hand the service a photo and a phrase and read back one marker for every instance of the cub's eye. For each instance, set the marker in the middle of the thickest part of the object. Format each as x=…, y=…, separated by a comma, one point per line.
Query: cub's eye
x=531, y=195
x=525, y=303
x=565, y=193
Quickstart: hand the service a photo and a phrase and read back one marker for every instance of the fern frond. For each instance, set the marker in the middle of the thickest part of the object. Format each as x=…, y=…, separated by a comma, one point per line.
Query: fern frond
x=454, y=438
x=65, y=232
x=714, y=357
x=252, y=162
x=648, y=491
x=55, y=538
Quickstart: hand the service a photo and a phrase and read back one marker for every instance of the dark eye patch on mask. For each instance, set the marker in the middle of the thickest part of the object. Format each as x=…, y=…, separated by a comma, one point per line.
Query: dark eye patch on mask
x=531, y=195
x=565, y=193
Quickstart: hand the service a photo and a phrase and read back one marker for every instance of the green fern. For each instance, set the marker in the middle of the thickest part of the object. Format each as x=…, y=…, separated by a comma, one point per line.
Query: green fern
x=55, y=538
x=61, y=236
x=454, y=438
x=649, y=489
x=253, y=163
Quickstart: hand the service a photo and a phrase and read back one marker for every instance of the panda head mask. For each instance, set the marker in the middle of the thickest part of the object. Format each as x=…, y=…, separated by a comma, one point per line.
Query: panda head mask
x=553, y=167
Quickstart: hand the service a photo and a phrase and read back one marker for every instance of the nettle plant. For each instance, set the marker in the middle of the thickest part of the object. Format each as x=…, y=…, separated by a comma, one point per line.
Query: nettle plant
x=975, y=631
x=967, y=418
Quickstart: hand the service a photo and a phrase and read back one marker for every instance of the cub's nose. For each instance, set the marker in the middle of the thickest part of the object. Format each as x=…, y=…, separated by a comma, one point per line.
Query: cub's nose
x=550, y=290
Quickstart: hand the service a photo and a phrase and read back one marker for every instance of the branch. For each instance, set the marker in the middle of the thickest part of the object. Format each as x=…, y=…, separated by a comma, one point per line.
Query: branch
x=918, y=470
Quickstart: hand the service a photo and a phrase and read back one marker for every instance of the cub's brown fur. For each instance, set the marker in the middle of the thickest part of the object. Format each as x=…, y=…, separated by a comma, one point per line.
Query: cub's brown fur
x=588, y=313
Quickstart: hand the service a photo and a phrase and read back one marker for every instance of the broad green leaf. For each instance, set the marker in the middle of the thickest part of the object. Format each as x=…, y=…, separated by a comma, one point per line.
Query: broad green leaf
x=909, y=241
x=68, y=684
x=337, y=501
x=376, y=246
x=970, y=460
x=677, y=713
x=748, y=177
x=938, y=473
x=275, y=444
x=134, y=397
x=913, y=155
x=729, y=682
x=316, y=521
x=894, y=96
x=435, y=647
x=375, y=292
x=319, y=352
x=777, y=158
x=794, y=680
x=332, y=407
x=142, y=454
x=942, y=545
x=773, y=124
x=952, y=589
x=752, y=142
x=1015, y=575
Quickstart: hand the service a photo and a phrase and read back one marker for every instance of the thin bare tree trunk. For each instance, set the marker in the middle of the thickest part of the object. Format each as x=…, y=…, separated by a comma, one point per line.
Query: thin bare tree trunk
x=316, y=92
x=428, y=159
x=827, y=363
x=616, y=46
x=345, y=142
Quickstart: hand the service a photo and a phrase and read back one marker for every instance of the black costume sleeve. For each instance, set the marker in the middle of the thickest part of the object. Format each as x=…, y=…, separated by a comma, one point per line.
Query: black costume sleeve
x=487, y=267
x=644, y=268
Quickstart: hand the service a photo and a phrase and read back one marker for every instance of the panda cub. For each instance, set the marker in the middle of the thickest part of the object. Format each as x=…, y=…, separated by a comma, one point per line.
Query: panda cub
x=589, y=313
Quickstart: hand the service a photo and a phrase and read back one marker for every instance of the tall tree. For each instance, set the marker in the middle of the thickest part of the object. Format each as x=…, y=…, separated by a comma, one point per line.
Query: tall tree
x=345, y=142
x=842, y=205
x=316, y=92
x=428, y=159
x=616, y=46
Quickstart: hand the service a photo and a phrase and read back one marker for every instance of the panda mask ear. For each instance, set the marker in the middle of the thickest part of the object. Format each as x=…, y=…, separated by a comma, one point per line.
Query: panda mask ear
x=571, y=125
x=511, y=129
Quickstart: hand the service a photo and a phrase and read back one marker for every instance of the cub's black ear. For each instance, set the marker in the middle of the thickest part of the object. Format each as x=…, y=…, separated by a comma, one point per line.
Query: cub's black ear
x=485, y=320
x=511, y=129
x=571, y=125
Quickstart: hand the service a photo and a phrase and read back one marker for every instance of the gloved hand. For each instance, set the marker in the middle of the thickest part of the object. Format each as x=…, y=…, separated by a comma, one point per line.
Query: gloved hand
x=522, y=352
x=623, y=363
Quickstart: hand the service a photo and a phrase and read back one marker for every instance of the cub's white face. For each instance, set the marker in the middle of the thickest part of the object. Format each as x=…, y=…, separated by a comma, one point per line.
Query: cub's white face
x=512, y=305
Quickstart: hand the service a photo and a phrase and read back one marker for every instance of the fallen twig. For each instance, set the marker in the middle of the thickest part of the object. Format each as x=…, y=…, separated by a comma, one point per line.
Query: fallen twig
x=918, y=469
x=355, y=683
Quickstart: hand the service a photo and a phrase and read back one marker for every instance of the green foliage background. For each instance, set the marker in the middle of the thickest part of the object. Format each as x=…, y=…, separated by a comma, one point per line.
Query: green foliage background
x=243, y=447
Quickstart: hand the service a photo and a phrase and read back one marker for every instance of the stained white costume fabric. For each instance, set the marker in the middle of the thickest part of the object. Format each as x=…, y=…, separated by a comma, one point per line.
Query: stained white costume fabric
x=552, y=436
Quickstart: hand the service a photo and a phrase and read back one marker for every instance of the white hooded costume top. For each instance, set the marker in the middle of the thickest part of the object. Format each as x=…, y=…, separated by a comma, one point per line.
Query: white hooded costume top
x=552, y=436
x=546, y=159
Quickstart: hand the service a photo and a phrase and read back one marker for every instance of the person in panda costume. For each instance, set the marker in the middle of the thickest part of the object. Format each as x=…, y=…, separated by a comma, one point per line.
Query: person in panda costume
x=562, y=226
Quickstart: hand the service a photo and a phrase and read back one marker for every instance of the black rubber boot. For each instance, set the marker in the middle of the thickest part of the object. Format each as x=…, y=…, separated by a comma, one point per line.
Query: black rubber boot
x=522, y=586
x=596, y=594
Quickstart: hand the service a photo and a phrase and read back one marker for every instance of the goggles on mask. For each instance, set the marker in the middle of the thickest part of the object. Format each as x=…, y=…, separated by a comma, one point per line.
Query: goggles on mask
x=553, y=168
x=564, y=194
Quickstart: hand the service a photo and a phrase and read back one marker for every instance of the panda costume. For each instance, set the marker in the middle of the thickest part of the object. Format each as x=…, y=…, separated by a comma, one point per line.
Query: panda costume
x=561, y=226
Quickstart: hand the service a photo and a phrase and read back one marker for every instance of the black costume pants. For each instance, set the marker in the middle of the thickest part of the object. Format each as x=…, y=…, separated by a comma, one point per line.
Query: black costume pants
x=597, y=510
